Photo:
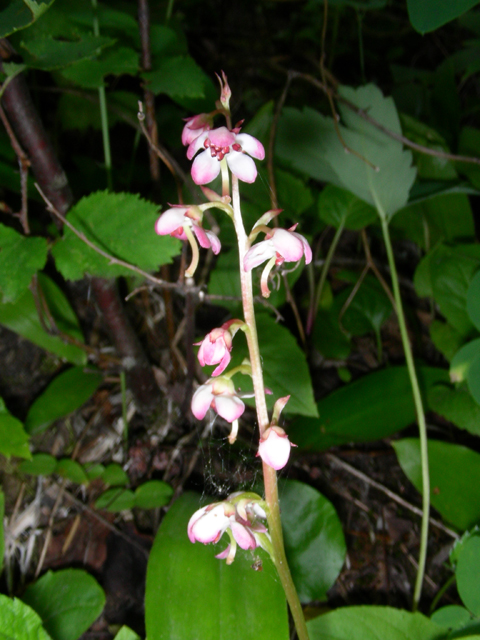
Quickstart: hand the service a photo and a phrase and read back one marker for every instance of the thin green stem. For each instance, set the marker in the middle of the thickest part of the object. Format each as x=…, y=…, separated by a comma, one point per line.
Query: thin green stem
x=269, y=474
x=102, y=96
x=422, y=426
x=441, y=593
x=312, y=312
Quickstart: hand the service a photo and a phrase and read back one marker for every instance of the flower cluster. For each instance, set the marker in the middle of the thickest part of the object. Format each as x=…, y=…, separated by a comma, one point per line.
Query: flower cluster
x=239, y=516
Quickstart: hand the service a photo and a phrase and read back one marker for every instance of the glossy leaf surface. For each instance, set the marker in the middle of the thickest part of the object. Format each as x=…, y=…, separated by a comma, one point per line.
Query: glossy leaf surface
x=19, y=622
x=13, y=439
x=20, y=259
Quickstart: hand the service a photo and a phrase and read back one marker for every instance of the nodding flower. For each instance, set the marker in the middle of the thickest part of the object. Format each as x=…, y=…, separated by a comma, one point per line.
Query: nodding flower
x=216, y=347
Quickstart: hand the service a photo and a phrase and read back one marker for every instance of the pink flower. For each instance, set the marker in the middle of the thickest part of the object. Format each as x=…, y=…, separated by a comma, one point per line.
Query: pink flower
x=174, y=220
x=274, y=447
x=210, y=523
x=218, y=394
x=217, y=345
x=195, y=126
x=222, y=143
x=283, y=244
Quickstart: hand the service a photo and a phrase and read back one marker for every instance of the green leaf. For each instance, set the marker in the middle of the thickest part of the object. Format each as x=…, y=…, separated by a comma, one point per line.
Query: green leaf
x=20, y=622
x=122, y=224
x=48, y=53
x=41, y=464
x=67, y=393
x=116, y=499
x=372, y=623
x=13, y=439
x=20, y=14
x=454, y=472
x=368, y=310
x=68, y=601
x=328, y=337
x=309, y=142
x=2, y=530
x=280, y=356
x=373, y=407
x=178, y=77
x=231, y=602
x=445, y=338
x=428, y=15
x=94, y=470
x=453, y=616
x=71, y=470
x=114, y=475
x=473, y=300
x=20, y=259
x=456, y=405
x=467, y=573
x=153, y=494
x=339, y=207
x=89, y=74
x=314, y=541
x=126, y=633
x=22, y=318
x=465, y=365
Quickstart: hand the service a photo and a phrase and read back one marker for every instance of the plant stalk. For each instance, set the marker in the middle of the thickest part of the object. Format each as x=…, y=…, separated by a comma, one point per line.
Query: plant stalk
x=422, y=427
x=269, y=474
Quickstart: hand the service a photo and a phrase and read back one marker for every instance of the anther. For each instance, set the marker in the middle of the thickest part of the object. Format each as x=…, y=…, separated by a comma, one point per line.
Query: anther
x=236, y=146
x=207, y=143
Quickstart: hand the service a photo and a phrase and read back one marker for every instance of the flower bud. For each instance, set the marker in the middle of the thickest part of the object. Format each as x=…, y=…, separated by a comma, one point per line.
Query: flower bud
x=274, y=448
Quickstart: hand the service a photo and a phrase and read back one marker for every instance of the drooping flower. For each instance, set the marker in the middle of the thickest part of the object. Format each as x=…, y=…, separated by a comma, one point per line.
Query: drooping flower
x=279, y=246
x=274, y=447
x=216, y=347
x=174, y=220
x=242, y=525
x=195, y=126
x=222, y=143
x=218, y=394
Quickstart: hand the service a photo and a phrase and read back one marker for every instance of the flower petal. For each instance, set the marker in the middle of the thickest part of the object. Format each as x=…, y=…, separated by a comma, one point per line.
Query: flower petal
x=196, y=516
x=242, y=536
x=274, y=448
x=306, y=248
x=205, y=168
x=242, y=166
x=223, y=364
x=214, y=242
x=221, y=137
x=288, y=245
x=251, y=145
x=259, y=253
x=170, y=220
x=201, y=401
x=210, y=526
x=230, y=408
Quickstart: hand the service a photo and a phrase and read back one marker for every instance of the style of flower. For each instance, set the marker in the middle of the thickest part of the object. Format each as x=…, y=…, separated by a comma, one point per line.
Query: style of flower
x=195, y=126
x=216, y=347
x=218, y=394
x=221, y=143
x=239, y=517
x=279, y=246
x=274, y=447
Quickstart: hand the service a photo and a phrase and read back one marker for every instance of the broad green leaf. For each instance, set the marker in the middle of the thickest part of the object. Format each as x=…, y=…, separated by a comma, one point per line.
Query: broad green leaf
x=153, y=494
x=454, y=472
x=456, y=405
x=89, y=74
x=422, y=191
x=71, y=470
x=20, y=14
x=445, y=338
x=314, y=541
x=429, y=167
x=122, y=224
x=467, y=573
x=428, y=15
x=22, y=318
x=20, y=259
x=2, y=531
x=68, y=601
x=67, y=393
x=94, y=470
x=431, y=221
x=114, y=475
x=338, y=207
x=309, y=142
x=473, y=300
x=178, y=77
x=452, y=616
x=126, y=633
x=116, y=499
x=233, y=602
x=41, y=464
x=373, y=407
x=373, y=623
x=368, y=310
x=48, y=53
x=281, y=356
x=465, y=365
x=13, y=439
x=328, y=338
x=20, y=622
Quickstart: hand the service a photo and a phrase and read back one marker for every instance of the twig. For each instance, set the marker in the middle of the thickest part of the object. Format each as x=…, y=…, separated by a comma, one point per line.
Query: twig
x=362, y=476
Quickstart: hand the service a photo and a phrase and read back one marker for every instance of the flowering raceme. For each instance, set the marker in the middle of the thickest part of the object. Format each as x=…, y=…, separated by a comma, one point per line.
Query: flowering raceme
x=221, y=143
